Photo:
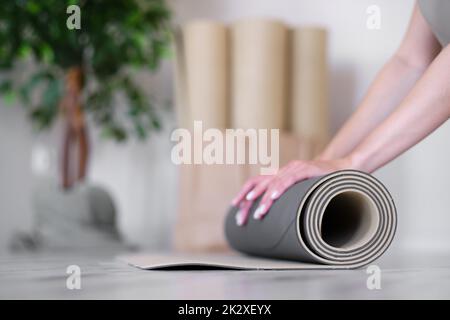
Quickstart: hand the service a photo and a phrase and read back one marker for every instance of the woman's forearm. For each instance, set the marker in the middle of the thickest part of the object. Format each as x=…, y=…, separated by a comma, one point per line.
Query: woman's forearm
x=390, y=86
x=418, y=49
x=424, y=109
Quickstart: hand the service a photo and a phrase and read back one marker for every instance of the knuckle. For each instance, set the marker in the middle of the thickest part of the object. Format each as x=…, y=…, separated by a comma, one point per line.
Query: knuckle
x=260, y=186
x=277, y=186
x=277, y=180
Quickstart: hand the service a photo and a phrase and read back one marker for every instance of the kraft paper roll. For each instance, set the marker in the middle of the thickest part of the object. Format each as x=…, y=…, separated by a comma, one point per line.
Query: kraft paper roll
x=199, y=223
x=259, y=74
x=309, y=93
x=207, y=72
x=179, y=71
x=343, y=220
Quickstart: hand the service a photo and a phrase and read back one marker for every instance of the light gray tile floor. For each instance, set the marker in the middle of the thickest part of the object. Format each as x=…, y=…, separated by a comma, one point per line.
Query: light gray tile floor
x=43, y=276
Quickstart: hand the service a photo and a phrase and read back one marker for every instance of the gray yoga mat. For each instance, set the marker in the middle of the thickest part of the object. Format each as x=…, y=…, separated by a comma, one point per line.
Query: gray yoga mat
x=343, y=220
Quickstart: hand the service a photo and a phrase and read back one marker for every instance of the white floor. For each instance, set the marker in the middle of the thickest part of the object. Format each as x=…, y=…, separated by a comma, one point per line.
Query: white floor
x=423, y=276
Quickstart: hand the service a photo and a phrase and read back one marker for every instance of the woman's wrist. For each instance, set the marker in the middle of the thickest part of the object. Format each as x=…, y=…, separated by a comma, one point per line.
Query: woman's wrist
x=325, y=155
x=355, y=161
x=331, y=153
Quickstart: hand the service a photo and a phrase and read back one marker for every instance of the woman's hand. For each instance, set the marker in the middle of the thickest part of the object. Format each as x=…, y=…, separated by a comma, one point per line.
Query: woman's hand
x=273, y=186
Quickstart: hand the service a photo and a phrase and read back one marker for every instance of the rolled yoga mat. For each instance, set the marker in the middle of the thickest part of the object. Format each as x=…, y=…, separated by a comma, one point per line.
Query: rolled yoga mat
x=206, y=72
x=343, y=220
x=309, y=92
x=346, y=219
x=259, y=74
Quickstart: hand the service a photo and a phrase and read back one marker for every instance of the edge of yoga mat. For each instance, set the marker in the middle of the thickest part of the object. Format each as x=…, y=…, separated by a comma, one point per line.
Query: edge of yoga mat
x=232, y=261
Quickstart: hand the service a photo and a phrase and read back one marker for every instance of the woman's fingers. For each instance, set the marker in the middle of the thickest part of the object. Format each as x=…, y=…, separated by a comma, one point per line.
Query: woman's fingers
x=269, y=180
x=252, y=189
x=258, y=186
x=272, y=187
x=277, y=187
x=249, y=185
x=242, y=214
x=263, y=207
x=258, y=189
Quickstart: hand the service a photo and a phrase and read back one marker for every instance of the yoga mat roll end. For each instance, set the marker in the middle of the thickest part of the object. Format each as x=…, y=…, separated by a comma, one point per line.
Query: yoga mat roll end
x=346, y=219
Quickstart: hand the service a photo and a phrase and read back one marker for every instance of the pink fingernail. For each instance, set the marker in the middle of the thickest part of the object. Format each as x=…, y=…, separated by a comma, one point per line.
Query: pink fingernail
x=250, y=195
x=259, y=212
x=274, y=195
x=239, y=218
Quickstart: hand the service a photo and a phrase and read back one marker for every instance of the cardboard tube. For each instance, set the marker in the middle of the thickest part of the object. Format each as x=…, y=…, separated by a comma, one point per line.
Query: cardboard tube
x=309, y=118
x=179, y=71
x=206, y=54
x=259, y=74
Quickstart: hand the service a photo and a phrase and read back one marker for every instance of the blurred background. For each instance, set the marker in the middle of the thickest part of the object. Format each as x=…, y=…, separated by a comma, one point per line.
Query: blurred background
x=139, y=177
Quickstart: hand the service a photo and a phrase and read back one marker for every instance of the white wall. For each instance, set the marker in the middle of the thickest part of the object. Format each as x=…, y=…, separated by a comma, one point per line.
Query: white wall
x=143, y=180
x=15, y=173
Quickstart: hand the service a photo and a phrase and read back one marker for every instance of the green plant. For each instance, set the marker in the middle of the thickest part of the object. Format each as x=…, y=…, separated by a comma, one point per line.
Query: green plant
x=83, y=71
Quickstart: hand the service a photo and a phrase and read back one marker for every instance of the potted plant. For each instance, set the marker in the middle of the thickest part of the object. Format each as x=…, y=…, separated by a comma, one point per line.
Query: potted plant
x=85, y=53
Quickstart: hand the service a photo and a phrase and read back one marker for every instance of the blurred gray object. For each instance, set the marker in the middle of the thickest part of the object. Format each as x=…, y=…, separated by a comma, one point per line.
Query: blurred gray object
x=436, y=13
x=81, y=218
